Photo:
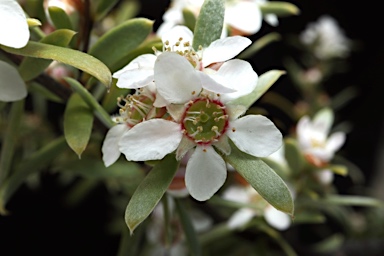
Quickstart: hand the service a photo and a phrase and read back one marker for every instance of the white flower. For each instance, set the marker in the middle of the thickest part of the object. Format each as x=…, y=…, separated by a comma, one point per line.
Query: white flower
x=244, y=16
x=203, y=121
x=140, y=71
x=247, y=195
x=327, y=38
x=314, y=142
x=14, y=31
x=133, y=110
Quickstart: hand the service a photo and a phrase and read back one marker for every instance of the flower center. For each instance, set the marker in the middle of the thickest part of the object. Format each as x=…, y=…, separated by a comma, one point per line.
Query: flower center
x=138, y=107
x=204, y=120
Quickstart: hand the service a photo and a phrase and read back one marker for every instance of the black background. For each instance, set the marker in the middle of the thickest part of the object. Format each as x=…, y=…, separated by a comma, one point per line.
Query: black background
x=41, y=224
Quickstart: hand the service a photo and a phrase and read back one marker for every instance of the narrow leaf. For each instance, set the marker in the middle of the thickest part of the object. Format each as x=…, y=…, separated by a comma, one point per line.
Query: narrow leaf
x=263, y=179
x=281, y=9
x=118, y=42
x=189, y=230
x=264, y=82
x=103, y=7
x=91, y=101
x=189, y=19
x=209, y=24
x=90, y=168
x=31, y=67
x=77, y=59
x=259, y=44
x=78, y=121
x=150, y=191
x=293, y=155
x=33, y=164
x=354, y=200
x=59, y=18
x=9, y=141
x=12, y=86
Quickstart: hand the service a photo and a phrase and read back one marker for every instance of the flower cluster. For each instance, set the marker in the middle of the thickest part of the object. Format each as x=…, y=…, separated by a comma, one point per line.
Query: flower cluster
x=196, y=87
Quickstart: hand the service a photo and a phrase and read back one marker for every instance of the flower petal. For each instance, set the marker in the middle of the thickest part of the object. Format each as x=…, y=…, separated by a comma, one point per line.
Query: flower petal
x=110, y=148
x=335, y=141
x=238, y=75
x=14, y=31
x=324, y=176
x=185, y=145
x=323, y=121
x=138, y=73
x=224, y=49
x=150, y=140
x=276, y=218
x=175, y=33
x=176, y=79
x=212, y=85
x=244, y=16
x=206, y=173
x=237, y=194
x=240, y=218
x=12, y=86
x=255, y=135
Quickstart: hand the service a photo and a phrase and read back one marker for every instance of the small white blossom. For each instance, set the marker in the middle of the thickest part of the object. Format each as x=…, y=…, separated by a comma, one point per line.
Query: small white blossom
x=327, y=38
x=203, y=122
x=248, y=195
x=14, y=31
x=140, y=71
x=133, y=110
x=314, y=140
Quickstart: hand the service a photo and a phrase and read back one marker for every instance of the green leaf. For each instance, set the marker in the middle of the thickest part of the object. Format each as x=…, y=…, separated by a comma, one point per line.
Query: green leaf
x=91, y=101
x=209, y=24
x=281, y=9
x=189, y=19
x=12, y=86
x=78, y=122
x=264, y=82
x=259, y=44
x=77, y=59
x=353, y=200
x=8, y=143
x=31, y=67
x=293, y=155
x=33, y=164
x=40, y=89
x=339, y=169
x=150, y=191
x=103, y=7
x=263, y=179
x=91, y=168
x=189, y=230
x=59, y=18
x=109, y=102
x=118, y=42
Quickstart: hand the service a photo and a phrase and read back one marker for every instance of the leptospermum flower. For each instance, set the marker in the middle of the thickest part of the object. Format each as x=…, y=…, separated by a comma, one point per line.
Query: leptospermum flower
x=242, y=16
x=315, y=142
x=327, y=38
x=140, y=71
x=133, y=110
x=247, y=195
x=204, y=121
x=14, y=31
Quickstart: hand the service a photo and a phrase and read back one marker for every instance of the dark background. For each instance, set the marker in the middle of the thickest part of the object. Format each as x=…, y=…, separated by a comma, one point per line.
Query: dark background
x=40, y=223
